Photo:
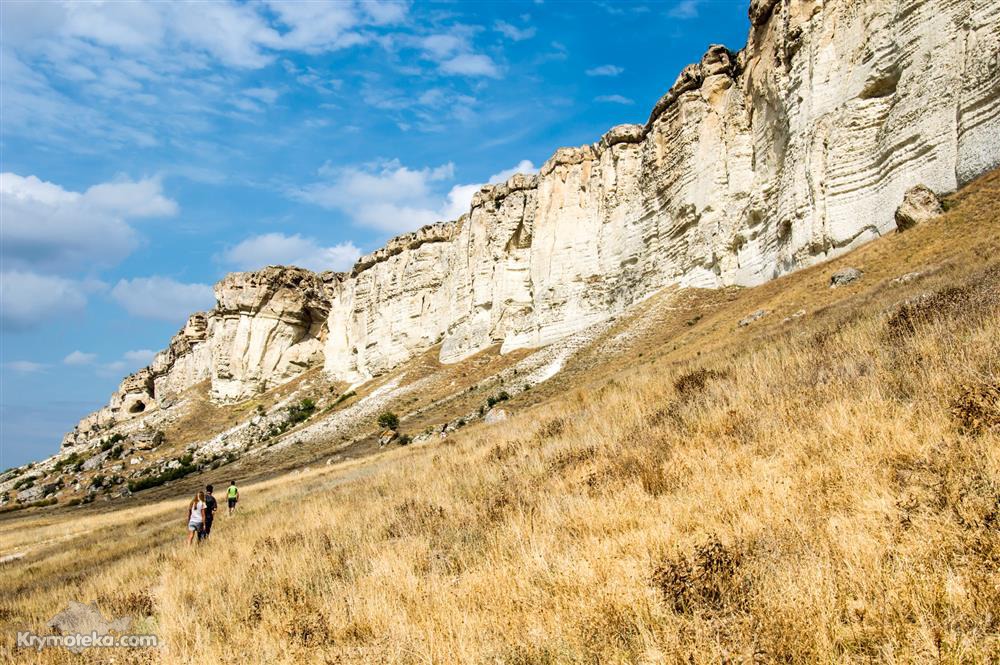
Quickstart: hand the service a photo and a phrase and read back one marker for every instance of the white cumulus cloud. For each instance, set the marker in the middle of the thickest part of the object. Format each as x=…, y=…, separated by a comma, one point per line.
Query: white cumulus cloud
x=391, y=197
x=139, y=357
x=46, y=227
x=80, y=358
x=162, y=298
x=279, y=249
x=28, y=299
x=471, y=64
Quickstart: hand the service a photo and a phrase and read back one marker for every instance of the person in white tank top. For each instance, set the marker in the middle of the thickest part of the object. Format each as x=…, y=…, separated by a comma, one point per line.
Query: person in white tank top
x=196, y=516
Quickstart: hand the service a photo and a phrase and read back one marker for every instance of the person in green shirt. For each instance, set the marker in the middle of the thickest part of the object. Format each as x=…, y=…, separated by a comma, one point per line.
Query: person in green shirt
x=232, y=496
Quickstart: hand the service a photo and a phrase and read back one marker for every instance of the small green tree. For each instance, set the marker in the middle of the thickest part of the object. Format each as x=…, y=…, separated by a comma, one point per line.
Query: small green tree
x=388, y=420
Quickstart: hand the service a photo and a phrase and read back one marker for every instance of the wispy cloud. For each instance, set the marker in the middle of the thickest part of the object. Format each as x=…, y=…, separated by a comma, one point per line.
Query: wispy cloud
x=94, y=69
x=614, y=99
x=685, y=9
x=26, y=366
x=605, y=70
x=263, y=94
x=453, y=52
x=621, y=9
x=514, y=33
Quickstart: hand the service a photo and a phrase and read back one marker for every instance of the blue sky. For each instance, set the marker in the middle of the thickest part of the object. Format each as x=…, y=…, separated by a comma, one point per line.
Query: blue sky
x=148, y=149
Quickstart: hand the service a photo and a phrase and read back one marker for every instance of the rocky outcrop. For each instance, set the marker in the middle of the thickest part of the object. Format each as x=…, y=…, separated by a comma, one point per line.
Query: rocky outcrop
x=267, y=327
x=919, y=205
x=845, y=276
x=753, y=164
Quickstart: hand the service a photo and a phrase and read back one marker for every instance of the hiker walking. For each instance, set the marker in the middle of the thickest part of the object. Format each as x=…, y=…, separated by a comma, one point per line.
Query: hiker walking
x=196, y=516
x=211, y=505
x=232, y=496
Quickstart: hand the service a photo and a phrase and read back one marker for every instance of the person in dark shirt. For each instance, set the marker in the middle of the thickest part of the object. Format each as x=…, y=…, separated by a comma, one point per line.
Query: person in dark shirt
x=211, y=505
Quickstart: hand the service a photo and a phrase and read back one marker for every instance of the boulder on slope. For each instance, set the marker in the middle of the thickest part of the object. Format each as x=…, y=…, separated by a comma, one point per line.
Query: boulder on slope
x=919, y=205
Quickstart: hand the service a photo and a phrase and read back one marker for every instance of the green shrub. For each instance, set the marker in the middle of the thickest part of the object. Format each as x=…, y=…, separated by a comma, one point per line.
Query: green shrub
x=301, y=411
x=51, y=501
x=107, y=444
x=493, y=400
x=388, y=420
x=145, y=482
x=24, y=483
x=404, y=439
x=97, y=481
x=72, y=462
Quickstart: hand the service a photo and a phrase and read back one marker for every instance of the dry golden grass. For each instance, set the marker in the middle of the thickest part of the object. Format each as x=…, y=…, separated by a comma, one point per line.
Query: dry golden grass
x=826, y=491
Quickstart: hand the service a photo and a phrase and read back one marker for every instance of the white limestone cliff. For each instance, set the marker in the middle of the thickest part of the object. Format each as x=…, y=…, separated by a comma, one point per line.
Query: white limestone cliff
x=796, y=149
x=754, y=164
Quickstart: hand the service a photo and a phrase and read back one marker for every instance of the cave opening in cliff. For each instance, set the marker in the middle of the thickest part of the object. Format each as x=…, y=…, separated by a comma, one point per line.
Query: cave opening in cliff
x=137, y=407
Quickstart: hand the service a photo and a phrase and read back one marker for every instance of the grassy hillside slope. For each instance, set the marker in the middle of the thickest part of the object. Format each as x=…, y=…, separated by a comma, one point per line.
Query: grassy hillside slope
x=813, y=488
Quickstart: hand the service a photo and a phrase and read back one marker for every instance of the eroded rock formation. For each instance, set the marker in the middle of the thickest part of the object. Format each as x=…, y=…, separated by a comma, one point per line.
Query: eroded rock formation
x=267, y=327
x=797, y=148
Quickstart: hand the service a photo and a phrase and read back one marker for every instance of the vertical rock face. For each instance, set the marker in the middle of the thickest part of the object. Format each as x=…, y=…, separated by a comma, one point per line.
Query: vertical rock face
x=268, y=327
x=797, y=148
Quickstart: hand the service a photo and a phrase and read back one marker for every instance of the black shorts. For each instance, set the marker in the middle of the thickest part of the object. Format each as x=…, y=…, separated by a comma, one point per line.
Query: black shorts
x=232, y=503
